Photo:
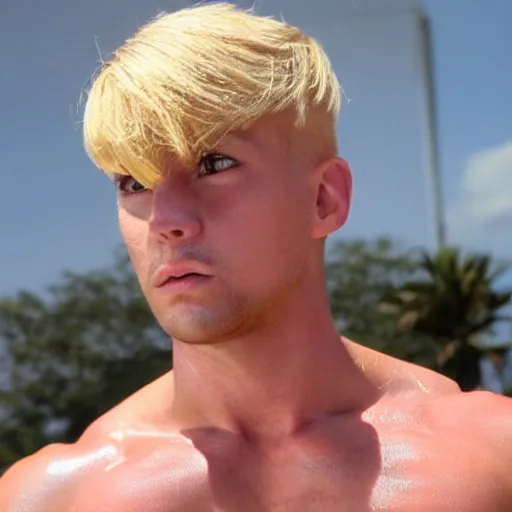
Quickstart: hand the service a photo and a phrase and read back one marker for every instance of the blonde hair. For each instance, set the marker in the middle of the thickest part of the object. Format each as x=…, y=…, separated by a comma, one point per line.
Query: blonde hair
x=188, y=78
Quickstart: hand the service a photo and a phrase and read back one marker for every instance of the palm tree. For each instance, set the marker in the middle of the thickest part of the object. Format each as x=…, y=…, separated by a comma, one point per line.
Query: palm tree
x=457, y=302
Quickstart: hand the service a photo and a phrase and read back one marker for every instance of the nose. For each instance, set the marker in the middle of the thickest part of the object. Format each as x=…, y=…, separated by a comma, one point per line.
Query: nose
x=174, y=215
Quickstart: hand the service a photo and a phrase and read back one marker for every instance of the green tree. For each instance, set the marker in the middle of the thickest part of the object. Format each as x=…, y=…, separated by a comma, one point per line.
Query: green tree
x=72, y=355
x=359, y=274
x=457, y=302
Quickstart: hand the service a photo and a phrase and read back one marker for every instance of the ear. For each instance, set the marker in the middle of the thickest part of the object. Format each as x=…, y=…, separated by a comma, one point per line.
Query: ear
x=333, y=187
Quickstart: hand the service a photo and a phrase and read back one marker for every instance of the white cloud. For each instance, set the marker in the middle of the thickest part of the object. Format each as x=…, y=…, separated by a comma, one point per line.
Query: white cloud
x=482, y=215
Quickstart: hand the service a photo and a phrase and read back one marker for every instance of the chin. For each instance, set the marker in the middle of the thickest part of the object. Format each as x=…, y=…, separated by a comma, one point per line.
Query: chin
x=198, y=325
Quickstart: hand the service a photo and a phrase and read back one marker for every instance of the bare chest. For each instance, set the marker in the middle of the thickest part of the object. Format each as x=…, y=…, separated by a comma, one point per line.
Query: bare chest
x=364, y=473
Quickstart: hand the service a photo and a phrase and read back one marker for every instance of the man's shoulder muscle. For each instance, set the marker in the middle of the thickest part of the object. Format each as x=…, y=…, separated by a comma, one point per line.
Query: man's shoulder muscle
x=25, y=485
x=492, y=414
x=47, y=480
x=488, y=412
x=481, y=421
x=51, y=476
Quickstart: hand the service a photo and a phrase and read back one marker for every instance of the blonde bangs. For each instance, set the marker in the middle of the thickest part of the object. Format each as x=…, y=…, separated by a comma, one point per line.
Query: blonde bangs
x=188, y=78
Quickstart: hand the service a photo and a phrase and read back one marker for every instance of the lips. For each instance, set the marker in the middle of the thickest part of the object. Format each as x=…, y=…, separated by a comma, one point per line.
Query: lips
x=184, y=276
x=179, y=272
x=186, y=283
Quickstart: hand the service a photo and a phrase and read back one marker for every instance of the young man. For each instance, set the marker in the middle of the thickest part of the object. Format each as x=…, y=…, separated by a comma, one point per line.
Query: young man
x=217, y=127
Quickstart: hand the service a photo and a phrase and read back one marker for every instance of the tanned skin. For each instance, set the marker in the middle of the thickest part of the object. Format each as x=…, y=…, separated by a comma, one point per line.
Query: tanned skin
x=267, y=409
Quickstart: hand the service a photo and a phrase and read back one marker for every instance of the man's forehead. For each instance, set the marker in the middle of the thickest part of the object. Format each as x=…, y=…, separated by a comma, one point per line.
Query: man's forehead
x=262, y=135
x=276, y=130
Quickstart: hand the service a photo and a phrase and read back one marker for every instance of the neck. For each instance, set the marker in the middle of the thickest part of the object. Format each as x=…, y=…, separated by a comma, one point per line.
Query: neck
x=270, y=384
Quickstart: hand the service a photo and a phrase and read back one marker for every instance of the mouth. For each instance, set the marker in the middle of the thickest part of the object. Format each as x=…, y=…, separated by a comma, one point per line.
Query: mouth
x=185, y=283
x=181, y=273
x=182, y=277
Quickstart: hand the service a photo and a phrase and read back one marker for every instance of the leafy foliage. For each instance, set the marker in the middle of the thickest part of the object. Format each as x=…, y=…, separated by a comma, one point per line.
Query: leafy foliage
x=359, y=274
x=455, y=301
x=74, y=355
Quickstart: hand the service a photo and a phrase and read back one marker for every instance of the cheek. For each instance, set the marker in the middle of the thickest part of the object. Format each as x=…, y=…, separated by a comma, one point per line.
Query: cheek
x=270, y=229
x=134, y=232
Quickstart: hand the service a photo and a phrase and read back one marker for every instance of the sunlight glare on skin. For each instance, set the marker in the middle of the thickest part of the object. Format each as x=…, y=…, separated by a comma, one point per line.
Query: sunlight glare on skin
x=62, y=468
x=422, y=386
x=390, y=490
x=125, y=434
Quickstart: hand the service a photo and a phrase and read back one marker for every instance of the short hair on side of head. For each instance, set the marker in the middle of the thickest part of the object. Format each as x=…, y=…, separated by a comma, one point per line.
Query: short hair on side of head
x=188, y=78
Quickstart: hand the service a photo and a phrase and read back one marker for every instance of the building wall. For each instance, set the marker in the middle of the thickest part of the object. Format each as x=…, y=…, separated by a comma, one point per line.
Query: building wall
x=377, y=50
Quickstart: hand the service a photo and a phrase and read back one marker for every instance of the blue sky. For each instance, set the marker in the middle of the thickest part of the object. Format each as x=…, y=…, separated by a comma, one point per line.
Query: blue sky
x=58, y=212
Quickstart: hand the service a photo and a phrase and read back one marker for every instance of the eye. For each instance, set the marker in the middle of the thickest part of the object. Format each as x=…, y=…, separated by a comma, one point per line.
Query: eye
x=128, y=185
x=215, y=162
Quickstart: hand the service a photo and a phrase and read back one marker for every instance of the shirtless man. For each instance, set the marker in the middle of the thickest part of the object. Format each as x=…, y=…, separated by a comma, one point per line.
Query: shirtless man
x=217, y=127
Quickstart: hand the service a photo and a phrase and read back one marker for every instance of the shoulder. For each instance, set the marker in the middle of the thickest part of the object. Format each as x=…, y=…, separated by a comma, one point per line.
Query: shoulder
x=398, y=377
x=47, y=478
x=149, y=406
x=45, y=481
x=478, y=426
x=484, y=412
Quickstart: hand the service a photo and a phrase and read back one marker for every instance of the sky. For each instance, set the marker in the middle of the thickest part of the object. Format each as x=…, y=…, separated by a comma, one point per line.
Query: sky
x=58, y=212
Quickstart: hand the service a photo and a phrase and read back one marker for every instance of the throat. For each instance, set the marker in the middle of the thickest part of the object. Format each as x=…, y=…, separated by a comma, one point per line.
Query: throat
x=268, y=397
